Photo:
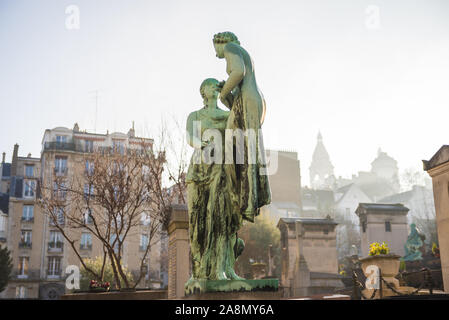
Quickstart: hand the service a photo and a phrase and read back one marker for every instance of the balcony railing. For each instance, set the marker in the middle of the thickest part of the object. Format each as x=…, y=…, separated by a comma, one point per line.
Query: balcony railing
x=55, y=246
x=143, y=248
x=60, y=146
x=27, y=219
x=85, y=246
x=25, y=245
x=54, y=273
x=61, y=171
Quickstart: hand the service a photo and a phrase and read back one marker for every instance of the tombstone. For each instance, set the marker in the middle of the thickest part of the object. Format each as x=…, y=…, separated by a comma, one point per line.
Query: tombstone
x=309, y=256
x=383, y=222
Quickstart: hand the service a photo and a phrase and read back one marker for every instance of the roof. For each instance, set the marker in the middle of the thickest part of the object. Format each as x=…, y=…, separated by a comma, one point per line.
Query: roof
x=442, y=156
x=398, y=207
x=399, y=197
x=345, y=188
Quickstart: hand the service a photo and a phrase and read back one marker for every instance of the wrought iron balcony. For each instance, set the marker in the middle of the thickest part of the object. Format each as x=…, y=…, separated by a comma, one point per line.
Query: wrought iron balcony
x=55, y=246
x=25, y=245
x=61, y=171
x=86, y=246
x=60, y=146
x=54, y=273
x=27, y=219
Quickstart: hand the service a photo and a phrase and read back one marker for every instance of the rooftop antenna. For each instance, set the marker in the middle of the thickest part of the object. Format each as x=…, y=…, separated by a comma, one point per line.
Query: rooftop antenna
x=95, y=92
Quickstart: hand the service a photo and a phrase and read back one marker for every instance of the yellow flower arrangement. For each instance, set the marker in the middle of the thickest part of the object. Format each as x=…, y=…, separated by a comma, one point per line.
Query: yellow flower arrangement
x=376, y=249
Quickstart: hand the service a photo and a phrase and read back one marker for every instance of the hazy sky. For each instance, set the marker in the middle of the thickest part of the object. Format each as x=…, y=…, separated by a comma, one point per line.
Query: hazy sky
x=322, y=65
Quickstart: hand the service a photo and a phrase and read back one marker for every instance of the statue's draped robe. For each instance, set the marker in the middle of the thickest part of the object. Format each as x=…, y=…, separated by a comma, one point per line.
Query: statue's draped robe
x=214, y=217
x=247, y=178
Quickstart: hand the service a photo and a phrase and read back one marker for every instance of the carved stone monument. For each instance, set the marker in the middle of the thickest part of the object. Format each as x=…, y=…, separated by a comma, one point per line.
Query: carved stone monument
x=309, y=256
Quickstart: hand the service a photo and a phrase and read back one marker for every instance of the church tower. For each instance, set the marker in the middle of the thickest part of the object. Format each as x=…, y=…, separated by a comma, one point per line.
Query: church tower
x=321, y=169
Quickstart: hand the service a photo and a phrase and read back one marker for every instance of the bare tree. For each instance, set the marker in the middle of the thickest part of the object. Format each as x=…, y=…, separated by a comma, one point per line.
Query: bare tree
x=117, y=193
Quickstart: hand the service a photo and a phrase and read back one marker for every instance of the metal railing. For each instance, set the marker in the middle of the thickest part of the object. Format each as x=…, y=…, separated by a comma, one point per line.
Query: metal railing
x=86, y=247
x=359, y=286
x=25, y=245
x=56, y=246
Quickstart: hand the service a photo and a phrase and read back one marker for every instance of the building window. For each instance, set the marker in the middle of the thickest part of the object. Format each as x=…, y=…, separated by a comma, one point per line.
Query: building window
x=59, y=190
x=88, y=216
x=118, y=146
x=88, y=146
x=387, y=226
x=29, y=170
x=25, y=239
x=20, y=292
x=23, y=267
x=58, y=217
x=116, y=245
x=88, y=191
x=145, y=218
x=2, y=224
x=89, y=169
x=144, y=241
x=61, y=139
x=28, y=188
x=60, y=165
x=86, y=241
x=28, y=213
x=54, y=266
x=56, y=243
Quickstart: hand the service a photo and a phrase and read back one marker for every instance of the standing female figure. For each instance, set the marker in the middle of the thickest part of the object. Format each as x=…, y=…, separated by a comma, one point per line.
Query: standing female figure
x=242, y=96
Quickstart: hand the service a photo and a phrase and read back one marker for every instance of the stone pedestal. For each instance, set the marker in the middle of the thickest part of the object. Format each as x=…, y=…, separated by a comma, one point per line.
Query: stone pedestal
x=221, y=288
x=178, y=252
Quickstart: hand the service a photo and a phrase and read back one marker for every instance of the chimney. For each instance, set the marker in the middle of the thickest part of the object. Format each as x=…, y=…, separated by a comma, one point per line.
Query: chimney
x=14, y=160
x=3, y=157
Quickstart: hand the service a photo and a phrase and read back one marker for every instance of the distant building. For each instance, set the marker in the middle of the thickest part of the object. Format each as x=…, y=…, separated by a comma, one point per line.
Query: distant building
x=40, y=253
x=285, y=185
x=380, y=182
x=383, y=223
x=321, y=169
x=347, y=200
x=422, y=210
x=317, y=203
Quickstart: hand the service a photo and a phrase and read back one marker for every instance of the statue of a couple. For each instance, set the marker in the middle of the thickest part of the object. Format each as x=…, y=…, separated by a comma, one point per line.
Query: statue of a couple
x=221, y=194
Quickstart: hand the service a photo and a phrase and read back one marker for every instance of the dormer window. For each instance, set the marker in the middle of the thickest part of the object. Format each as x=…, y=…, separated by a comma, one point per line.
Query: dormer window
x=61, y=139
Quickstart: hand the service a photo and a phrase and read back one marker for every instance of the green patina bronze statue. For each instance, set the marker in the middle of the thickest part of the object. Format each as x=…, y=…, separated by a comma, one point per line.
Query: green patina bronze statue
x=224, y=190
x=413, y=245
x=214, y=216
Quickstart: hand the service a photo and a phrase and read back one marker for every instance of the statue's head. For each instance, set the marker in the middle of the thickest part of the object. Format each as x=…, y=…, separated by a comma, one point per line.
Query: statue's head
x=221, y=39
x=209, y=89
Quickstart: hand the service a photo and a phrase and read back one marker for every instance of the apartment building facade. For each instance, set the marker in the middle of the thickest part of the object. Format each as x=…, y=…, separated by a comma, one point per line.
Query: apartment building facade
x=40, y=252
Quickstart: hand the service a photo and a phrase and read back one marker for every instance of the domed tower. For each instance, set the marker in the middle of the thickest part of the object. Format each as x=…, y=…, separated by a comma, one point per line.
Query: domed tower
x=321, y=169
x=386, y=167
